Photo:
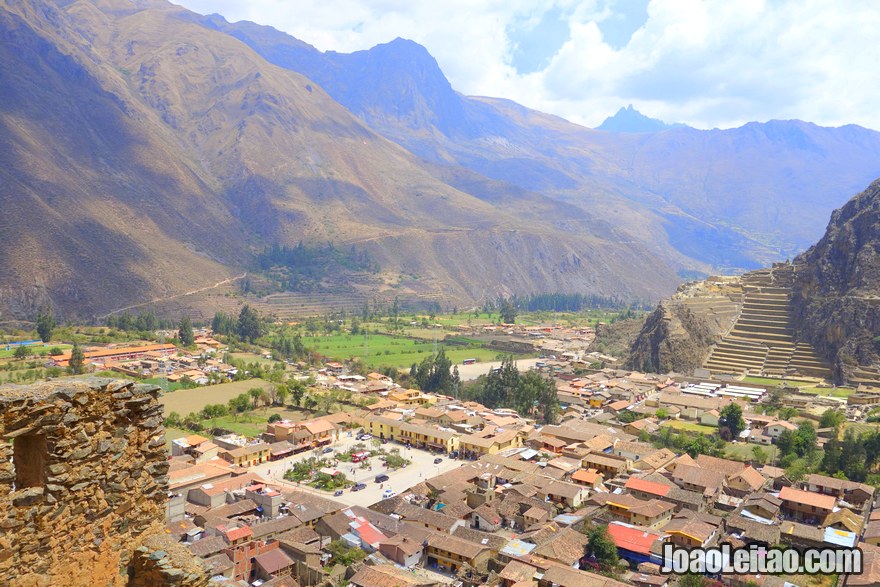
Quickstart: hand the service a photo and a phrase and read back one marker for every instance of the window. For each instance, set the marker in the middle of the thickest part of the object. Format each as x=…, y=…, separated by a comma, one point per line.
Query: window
x=29, y=453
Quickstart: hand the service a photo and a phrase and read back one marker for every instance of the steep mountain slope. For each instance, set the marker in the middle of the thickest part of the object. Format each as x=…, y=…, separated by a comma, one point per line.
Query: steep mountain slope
x=148, y=155
x=834, y=305
x=725, y=200
x=98, y=204
x=837, y=291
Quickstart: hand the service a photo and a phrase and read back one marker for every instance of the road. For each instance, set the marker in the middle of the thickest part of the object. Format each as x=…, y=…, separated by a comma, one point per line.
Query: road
x=175, y=296
x=421, y=468
x=471, y=372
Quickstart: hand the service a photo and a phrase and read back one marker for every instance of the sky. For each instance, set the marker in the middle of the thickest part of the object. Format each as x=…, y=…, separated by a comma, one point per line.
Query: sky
x=706, y=63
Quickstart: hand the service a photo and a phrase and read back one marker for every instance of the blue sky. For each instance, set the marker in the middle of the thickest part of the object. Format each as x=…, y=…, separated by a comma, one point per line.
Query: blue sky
x=707, y=63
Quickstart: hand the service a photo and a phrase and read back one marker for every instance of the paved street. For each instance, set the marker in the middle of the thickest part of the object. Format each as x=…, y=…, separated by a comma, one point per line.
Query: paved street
x=421, y=468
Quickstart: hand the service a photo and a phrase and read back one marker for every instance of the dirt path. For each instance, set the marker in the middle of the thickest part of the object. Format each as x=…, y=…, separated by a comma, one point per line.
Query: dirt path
x=175, y=296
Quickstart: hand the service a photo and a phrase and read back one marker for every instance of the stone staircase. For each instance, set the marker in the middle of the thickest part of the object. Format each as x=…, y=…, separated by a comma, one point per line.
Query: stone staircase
x=761, y=340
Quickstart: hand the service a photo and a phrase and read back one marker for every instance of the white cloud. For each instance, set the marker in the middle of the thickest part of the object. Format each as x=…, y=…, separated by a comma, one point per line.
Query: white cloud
x=704, y=62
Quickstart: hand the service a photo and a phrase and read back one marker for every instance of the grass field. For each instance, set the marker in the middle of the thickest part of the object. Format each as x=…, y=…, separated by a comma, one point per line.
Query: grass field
x=829, y=391
x=34, y=349
x=382, y=350
x=186, y=401
x=775, y=382
x=690, y=427
x=251, y=358
x=742, y=451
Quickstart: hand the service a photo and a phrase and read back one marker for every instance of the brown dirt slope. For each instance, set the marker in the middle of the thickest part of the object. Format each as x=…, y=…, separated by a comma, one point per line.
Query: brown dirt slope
x=148, y=155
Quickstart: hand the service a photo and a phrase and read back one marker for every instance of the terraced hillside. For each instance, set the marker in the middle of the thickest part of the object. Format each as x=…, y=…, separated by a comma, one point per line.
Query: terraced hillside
x=762, y=338
x=729, y=325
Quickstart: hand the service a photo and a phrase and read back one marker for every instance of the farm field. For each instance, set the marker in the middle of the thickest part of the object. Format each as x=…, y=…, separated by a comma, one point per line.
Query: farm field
x=689, y=427
x=742, y=451
x=382, y=350
x=770, y=381
x=186, y=401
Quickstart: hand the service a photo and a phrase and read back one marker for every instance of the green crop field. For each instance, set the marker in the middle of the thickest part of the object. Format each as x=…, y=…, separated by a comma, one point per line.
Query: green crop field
x=690, y=427
x=775, y=382
x=381, y=350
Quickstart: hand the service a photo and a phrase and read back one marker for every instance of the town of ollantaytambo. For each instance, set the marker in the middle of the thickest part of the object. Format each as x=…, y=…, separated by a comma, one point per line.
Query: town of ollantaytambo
x=561, y=293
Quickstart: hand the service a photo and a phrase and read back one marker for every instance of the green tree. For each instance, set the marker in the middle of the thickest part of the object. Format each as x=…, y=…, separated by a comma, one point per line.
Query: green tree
x=22, y=352
x=45, y=324
x=731, y=418
x=77, y=362
x=172, y=420
x=508, y=311
x=185, y=332
x=661, y=413
x=343, y=554
x=274, y=418
x=601, y=548
x=309, y=402
x=239, y=404
x=831, y=457
x=759, y=454
x=832, y=418
x=249, y=326
x=281, y=393
x=297, y=389
x=805, y=439
x=255, y=393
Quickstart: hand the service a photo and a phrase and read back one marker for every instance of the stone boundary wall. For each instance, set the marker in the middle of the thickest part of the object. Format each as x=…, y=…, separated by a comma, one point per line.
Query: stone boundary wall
x=83, y=480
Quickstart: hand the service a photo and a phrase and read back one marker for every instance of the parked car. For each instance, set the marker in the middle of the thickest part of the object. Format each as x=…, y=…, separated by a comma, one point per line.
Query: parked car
x=365, y=437
x=438, y=460
x=327, y=449
x=337, y=493
x=388, y=493
x=381, y=478
x=358, y=486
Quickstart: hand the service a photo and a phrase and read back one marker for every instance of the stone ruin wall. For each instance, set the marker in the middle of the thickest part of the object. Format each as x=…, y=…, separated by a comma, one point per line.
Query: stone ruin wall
x=83, y=484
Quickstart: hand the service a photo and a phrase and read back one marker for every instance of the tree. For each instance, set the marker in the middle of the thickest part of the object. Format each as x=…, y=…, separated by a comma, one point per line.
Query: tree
x=248, y=327
x=281, y=393
x=173, y=420
x=255, y=393
x=661, y=413
x=310, y=402
x=77, y=360
x=297, y=389
x=759, y=454
x=508, y=312
x=239, y=404
x=274, y=418
x=601, y=548
x=343, y=554
x=22, y=352
x=731, y=418
x=805, y=439
x=832, y=418
x=45, y=324
x=185, y=332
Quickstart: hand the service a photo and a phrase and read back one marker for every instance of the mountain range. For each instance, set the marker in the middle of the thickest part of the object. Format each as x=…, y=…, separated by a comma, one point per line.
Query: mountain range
x=148, y=151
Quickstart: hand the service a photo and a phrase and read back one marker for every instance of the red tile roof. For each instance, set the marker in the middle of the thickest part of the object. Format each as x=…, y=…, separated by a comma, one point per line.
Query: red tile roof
x=636, y=484
x=237, y=533
x=632, y=538
x=807, y=498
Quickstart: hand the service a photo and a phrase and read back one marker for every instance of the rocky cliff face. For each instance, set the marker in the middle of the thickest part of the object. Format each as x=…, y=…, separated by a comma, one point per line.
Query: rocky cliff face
x=836, y=302
x=677, y=336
